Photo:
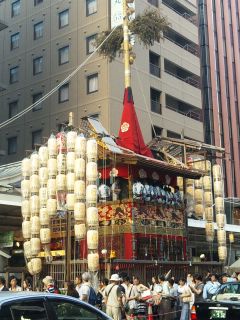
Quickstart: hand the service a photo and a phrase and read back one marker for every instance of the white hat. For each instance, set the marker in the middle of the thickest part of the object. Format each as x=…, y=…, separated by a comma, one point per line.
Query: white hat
x=115, y=277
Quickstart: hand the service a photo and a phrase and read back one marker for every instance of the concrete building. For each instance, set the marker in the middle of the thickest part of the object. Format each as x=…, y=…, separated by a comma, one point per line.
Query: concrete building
x=46, y=40
x=220, y=54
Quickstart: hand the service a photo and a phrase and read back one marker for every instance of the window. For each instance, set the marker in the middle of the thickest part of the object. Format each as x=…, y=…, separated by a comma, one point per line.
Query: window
x=63, y=18
x=14, y=73
x=63, y=93
x=63, y=55
x=16, y=8
x=154, y=64
x=37, y=65
x=91, y=7
x=153, y=2
x=12, y=109
x=37, y=2
x=35, y=98
x=157, y=131
x=155, y=97
x=92, y=83
x=36, y=138
x=12, y=145
x=91, y=43
x=28, y=310
x=15, y=41
x=38, y=30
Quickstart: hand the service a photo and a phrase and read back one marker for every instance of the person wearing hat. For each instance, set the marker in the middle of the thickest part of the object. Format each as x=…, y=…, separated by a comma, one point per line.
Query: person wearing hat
x=48, y=283
x=113, y=298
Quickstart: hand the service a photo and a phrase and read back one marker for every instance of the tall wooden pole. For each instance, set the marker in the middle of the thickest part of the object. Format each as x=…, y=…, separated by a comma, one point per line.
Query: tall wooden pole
x=127, y=70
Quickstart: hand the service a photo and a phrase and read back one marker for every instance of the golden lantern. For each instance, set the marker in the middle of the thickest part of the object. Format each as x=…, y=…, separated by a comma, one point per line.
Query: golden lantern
x=80, y=231
x=112, y=254
x=80, y=189
x=222, y=253
x=52, y=167
x=221, y=237
x=36, y=265
x=51, y=188
x=25, y=188
x=43, y=196
x=180, y=183
x=92, y=217
x=52, y=207
x=93, y=262
x=219, y=205
x=26, y=229
x=209, y=227
x=198, y=183
x=61, y=182
x=79, y=211
x=220, y=220
x=231, y=237
x=34, y=205
x=61, y=163
x=80, y=168
x=92, y=150
x=26, y=167
x=91, y=171
x=199, y=210
x=70, y=161
x=44, y=217
x=52, y=146
x=45, y=235
x=91, y=193
x=70, y=181
x=207, y=183
x=198, y=195
x=35, y=225
x=34, y=183
x=26, y=209
x=34, y=162
x=35, y=246
x=80, y=145
x=70, y=201
x=43, y=176
x=27, y=249
x=208, y=198
x=92, y=239
x=218, y=188
x=71, y=139
x=209, y=213
x=43, y=156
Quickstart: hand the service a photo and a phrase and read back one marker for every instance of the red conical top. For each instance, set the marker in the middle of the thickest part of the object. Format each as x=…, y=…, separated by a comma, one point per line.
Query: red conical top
x=130, y=134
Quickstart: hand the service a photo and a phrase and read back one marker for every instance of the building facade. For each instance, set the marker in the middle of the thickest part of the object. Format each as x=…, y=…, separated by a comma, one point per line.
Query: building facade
x=46, y=40
x=220, y=56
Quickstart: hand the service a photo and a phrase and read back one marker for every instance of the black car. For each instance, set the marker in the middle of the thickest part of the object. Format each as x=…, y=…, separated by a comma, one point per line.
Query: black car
x=224, y=305
x=44, y=306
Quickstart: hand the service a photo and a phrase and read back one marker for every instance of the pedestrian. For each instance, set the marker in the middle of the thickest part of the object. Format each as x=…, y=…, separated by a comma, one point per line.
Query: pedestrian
x=113, y=298
x=185, y=299
x=3, y=284
x=141, y=307
x=48, y=285
x=71, y=291
x=101, y=293
x=27, y=284
x=211, y=287
x=131, y=298
x=13, y=284
x=156, y=289
x=78, y=282
x=84, y=291
x=197, y=288
x=165, y=305
x=173, y=298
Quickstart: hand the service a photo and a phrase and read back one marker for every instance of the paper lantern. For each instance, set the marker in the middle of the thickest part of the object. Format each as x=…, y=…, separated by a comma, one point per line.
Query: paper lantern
x=35, y=246
x=91, y=193
x=217, y=172
x=92, y=239
x=79, y=211
x=29, y=267
x=93, y=262
x=80, y=145
x=27, y=249
x=190, y=191
x=34, y=183
x=80, y=231
x=51, y=188
x=91, y=171
x=44, y=217
x=209, y=213
x=199, y=210
x=43, y=196
x=35, y=225
x=198, y=195
x=26, y=209
x=43, y=156
x=25, y=188
x=92, y=149
x=36, y=265
x=198, y=164
x=52, y=146
x=221, y=236
x=61, y=142
x=92, y=217
x=189, y=182
x=70, y=181
x=26, y=167
x=219, y=205
x=61, y=163
x=34, y=162
x=208, y=198
x=43, y=176
x=61, y=183
x=180, y=182
x=209, y=227
x=52, y=167
x=52, y=207
x=207, y=166
x=71, y=139
x=80, y=189
x=34, y=205
x=45, y=235
x=70, y=201
x=79, y=168
x=26, y=229
x=218, y=188
x=221, y=220
x=198, y=183
x=222, y=253
x=207, y=183
x=70, y=161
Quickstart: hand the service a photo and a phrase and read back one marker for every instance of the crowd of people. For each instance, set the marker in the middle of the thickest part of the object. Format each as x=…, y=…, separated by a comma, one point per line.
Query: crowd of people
x=122, y=297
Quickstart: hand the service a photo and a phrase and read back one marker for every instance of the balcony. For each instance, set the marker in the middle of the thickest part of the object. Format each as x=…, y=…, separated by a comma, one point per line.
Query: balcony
x=181, y=10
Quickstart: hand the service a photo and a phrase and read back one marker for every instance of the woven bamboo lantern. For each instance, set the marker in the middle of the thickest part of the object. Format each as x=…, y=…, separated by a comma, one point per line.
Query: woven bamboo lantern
x=209, y=227
x=26, y=229
x=27, y=249
x=219, y=205
x=26, y=209
x=61, y=142
x=34, y=183
x=52, y=146
x=207, y=183
x=51, y=188
x=199, y=210
x=35, y=246
x=26, y=167
x=61, y=163
x=198, y=195
x=70, y=181
x=43, y=196
x=208, y=198
x=92, y=239
x=61, y=182
x=70, y=201
x=52, y=207
x=91, y=171
x=36, y=265
x=217, y=172
x=70, y=161
x=222, y=253
x=80, y=231
x=43, y=176
x=43, y=156
x=44, y=217
x=80, y=168
x=79, y=211
x=209, y=213
x=34, y=162
x=221, y=237
x=35, y=225
x=91, y=193
x=93, y=262
x=34, y=205
x=180, y=183
x=198, y=183
x=71, y=140
x=52, y=167
x=80, y=189
x=218, y=188
x=221, y=220
x=92, y=150
x=25, y=188
x=80, y=146
x=45, y=235
x=189, y=182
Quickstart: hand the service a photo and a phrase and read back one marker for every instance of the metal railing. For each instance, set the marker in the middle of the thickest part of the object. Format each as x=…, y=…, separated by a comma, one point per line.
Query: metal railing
x=190, y=114
x=156, y=107
x=155, y=70
x=187, y=47
x=191, y=81
x=185, y=15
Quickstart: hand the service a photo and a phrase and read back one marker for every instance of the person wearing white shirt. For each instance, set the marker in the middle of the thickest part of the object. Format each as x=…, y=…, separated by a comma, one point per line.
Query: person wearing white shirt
x=13, y=285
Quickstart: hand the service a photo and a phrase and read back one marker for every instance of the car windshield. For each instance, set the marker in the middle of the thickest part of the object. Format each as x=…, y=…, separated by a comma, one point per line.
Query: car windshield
x=229, y=291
